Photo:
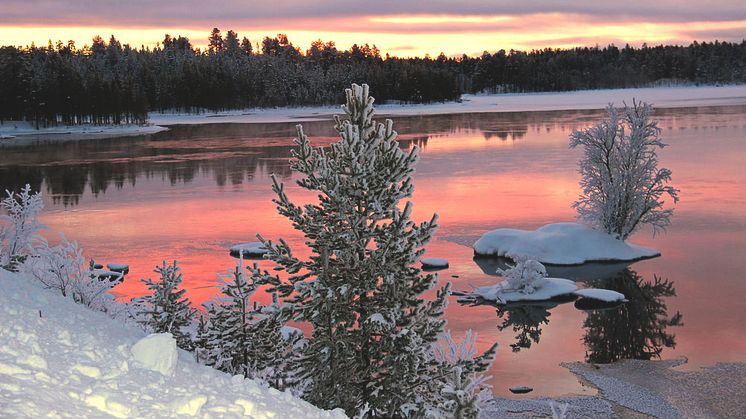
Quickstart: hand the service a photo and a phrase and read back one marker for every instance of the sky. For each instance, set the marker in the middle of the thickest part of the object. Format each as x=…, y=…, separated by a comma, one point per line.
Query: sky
x=399, y=27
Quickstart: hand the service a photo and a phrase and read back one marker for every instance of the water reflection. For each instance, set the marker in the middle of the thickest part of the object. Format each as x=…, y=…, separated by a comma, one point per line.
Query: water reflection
x=637, y=329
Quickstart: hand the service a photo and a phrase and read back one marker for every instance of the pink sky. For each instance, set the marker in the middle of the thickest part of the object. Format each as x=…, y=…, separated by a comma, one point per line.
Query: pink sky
x=403, y=28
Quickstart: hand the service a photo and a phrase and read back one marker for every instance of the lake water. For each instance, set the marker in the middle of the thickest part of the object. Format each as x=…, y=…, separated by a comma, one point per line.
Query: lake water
x=189, y=193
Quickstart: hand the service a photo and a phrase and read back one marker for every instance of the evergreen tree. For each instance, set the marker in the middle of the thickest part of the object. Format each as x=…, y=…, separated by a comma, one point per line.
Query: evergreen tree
x=166, y=309
x=371, y=348
x=243, y=339
x=215, y=41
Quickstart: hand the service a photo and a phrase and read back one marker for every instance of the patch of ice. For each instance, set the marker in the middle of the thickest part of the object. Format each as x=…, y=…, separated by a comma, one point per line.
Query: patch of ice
x=157, y=352
x=434, y=263
x=502, y=293
x=608, y=296
x=560, y=244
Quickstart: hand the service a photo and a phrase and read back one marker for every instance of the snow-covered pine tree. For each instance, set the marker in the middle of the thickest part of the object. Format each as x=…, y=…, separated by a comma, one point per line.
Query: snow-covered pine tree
x=623, y=187
x=166, y=309
x=371, y=348
x=246, y=339
x=19, y=226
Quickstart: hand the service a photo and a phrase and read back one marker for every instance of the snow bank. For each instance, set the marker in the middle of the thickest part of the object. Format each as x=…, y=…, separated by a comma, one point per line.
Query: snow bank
x=251, y=250
x=23, y=133
x=502, y=293
x=661, y=97
x=434, y=263
x=608, y=296
x=560, y=244
x=59, y=359
x=119, y=267
x=156, y=352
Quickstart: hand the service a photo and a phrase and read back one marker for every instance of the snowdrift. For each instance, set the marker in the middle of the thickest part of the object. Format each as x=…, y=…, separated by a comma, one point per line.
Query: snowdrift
x=58, y=358
x=560, y=244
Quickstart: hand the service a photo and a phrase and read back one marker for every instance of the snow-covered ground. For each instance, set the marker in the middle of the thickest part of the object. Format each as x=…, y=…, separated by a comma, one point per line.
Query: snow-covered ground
x=502, y=293
x=59, y=359
x=660, y=97
x=560, y=244
x=23, y=133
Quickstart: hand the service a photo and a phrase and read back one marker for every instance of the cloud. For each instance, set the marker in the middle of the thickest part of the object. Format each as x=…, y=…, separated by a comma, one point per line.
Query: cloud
x=242, y=13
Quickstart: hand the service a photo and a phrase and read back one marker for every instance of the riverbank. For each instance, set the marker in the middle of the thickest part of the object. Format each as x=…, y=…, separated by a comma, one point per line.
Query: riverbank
x=635, y=388
x=14, y=133
x=660, y=97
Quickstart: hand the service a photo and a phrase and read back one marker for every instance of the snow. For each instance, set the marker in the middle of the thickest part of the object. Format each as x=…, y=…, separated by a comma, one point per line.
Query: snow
x=157, y=352
x=608, y=296
x=24, y=133
x=110, y=275
x=434, y=263
x=560, y=244
x=60, y=359
x=252, y=249
x=502, y=293
x=119, y=267
x=661, y=97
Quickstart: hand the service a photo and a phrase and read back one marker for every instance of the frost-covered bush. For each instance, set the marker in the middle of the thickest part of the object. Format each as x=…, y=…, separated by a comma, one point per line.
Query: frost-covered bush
x=63, y=268
x=623, y=188
x=19, y=226
x=526, y=276
x=166, y=309
x=361, y=289
x=462, y=386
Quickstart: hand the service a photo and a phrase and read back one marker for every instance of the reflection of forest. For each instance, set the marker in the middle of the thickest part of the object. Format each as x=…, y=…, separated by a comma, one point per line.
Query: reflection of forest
x=635, y=330
x=228, y=153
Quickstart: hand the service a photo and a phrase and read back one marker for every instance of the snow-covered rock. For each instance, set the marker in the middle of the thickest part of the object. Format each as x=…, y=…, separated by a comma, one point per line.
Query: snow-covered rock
x=434, y=263
x=560, y=244
x=608, y=296
x=248, y=250
x=60, y=359
x=502, y=293
x=119, y=267
x=110, y=275
x=156, y=352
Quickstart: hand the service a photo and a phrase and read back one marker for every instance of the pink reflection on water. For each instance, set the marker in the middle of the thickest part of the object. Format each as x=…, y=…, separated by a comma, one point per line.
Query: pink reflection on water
x=478, y=172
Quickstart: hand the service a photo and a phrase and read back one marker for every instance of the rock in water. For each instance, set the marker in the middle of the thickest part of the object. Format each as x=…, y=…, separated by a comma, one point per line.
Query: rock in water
x=434, y=263
x=252, y=250
x=521, y=390
x=122, y=268
x=156, y=352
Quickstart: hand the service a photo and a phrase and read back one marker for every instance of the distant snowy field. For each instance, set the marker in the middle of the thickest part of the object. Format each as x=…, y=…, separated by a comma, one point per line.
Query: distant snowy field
x=60, y=359
x=660, y=97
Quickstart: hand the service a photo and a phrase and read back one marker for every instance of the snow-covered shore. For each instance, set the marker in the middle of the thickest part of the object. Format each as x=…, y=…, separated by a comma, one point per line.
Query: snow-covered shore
x=21, y=133
x=660, y=97
x=15, y=133
x=60, y=359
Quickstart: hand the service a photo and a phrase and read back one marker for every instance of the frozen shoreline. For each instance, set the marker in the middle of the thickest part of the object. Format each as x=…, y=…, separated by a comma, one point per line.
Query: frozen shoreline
x=631, y=388
x=14, y=133
x=660, y=97
x=17, y=133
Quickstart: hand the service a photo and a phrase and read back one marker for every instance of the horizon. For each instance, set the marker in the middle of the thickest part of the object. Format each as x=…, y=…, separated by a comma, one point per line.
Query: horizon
x=412, y=29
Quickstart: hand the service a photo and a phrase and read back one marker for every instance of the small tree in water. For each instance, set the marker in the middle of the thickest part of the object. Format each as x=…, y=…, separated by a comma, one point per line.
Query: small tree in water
x=623, y=188
x=371, y=350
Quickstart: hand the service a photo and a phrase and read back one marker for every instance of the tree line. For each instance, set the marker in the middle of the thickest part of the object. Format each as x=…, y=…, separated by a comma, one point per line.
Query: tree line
x=112, y=83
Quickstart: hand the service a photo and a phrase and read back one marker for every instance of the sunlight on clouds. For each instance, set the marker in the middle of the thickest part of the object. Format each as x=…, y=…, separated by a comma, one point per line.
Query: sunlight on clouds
x=416, y=35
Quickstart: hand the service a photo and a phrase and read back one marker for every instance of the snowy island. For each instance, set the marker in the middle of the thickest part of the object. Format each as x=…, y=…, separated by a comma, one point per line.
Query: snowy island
x=560, y=244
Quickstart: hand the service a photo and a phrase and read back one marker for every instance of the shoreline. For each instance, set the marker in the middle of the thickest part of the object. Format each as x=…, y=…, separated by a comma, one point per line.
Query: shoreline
x=637, y=388
x=14, y=133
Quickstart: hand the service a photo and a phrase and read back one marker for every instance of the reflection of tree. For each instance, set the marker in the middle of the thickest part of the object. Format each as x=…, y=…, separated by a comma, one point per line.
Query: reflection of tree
x=635, y=330
x=526, y=320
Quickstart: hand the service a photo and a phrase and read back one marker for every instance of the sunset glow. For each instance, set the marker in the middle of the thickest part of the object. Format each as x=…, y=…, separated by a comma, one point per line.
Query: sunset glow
x=409, y=35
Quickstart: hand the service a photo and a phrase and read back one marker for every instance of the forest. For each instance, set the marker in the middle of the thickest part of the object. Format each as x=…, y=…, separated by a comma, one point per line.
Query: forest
x=112, y=83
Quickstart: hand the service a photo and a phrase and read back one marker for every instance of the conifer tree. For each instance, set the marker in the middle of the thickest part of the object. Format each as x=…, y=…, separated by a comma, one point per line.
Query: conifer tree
x=166, y=309
x=241, y=338
x=371, y=348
